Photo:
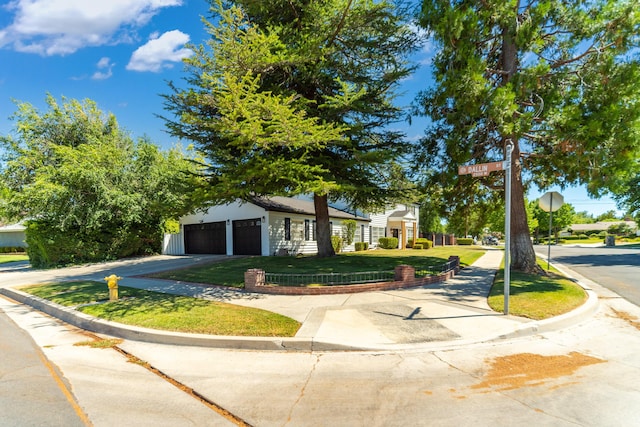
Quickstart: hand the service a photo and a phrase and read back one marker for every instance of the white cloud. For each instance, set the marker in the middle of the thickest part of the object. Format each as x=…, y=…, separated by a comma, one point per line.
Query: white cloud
x=61, y=27
x=160, y=52
x=105, y=67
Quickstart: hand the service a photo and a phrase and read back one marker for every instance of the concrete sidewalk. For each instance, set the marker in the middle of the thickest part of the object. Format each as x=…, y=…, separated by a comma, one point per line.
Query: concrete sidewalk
x=444, y=315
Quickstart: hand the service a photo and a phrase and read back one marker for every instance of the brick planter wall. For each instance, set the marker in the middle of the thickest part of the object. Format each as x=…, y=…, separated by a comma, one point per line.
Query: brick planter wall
x=254, y=281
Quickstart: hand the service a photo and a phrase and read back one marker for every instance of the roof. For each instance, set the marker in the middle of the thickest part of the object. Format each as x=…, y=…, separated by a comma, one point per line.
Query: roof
x=299, y=206
x=601, y=225
x=12, y=228
x=402, y=216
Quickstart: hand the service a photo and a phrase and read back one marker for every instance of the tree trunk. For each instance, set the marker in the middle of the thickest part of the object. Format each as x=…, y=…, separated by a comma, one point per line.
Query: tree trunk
x=323, y=227
x=523, y=257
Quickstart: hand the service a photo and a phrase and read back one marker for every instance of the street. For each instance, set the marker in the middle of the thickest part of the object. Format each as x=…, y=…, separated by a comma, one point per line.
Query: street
x=587, y=374
x=617, y=268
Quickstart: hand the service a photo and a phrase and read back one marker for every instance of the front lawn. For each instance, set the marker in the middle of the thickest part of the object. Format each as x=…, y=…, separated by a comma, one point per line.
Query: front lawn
x=4, y=258
x=156, y=310
x=536, y=297
x=231, y=272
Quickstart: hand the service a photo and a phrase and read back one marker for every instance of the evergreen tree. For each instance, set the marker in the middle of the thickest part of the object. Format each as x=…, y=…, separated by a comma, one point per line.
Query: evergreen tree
x=558, y=79
x=292, y=97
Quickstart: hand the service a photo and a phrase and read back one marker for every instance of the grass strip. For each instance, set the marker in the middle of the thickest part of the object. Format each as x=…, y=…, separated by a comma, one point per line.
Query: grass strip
x=157, y=310
x=536, y=297
x=4, y=258
x=231, y=272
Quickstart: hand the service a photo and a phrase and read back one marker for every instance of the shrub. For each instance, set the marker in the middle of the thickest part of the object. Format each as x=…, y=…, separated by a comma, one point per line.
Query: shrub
x=388, y=242
x=417, y=246
x=362, y=246
x=426, y=243
x=348, y=230
x=409, y=243
x=465, y=241
x=336, y=242
x=11, y=249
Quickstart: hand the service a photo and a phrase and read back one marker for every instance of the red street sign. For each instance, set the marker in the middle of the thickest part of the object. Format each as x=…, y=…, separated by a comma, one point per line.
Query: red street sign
x=481, y=169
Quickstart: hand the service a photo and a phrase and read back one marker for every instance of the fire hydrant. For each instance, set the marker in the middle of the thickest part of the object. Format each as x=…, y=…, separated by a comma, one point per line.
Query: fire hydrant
x=112, y=283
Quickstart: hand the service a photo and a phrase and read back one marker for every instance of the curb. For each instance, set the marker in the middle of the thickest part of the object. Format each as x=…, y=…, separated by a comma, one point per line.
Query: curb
x=294, y=344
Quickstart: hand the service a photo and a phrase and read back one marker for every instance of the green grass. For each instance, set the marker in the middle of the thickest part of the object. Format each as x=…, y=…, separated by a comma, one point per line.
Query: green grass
x=4, y=258
x=166, y=312
x=231, y=272
x=536, y=297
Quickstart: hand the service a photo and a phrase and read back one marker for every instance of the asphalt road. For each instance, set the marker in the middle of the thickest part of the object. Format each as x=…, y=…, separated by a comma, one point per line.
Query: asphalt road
x=616, y=268
x=32, y=391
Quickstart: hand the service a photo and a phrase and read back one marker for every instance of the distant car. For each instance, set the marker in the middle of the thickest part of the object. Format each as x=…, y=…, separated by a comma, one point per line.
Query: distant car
x=490, y=240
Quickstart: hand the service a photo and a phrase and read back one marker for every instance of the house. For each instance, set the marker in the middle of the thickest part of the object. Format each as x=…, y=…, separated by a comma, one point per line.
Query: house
x=13, y=236
x=601, y=226
x=279, y=225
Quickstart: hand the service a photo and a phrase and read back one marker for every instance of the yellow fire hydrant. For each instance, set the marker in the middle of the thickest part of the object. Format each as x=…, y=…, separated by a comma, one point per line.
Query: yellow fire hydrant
x=112, y=283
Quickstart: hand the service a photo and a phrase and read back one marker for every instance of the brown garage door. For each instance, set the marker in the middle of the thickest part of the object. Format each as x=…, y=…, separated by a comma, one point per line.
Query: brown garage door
x=246, y=237
x=206, y=238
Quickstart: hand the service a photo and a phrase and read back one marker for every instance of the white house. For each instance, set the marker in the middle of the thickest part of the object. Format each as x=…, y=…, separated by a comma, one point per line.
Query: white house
x=13, y=235
x=277, y=225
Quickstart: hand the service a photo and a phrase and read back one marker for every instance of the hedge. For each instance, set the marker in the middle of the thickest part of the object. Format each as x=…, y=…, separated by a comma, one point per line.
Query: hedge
x=336, y=242
x=362, y=246
x=465, y=241
x=426, y=243
x=11, y=249
x=388, y=242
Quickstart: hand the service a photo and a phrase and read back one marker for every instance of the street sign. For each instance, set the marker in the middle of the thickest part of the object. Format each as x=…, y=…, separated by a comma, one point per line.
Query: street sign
x=551, y=201
x=484, y=169
x=481, y=169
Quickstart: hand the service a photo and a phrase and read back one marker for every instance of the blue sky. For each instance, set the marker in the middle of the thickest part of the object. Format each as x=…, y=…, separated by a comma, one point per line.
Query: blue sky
x=121, y=53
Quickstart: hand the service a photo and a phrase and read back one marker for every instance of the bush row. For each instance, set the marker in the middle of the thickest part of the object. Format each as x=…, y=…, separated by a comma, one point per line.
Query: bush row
x=388, y=242
x=11, y=249
x=362, y=246
x=465, y=241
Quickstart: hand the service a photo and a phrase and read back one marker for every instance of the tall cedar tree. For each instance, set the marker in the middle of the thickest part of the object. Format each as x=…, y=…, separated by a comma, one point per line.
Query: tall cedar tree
x=292, y=96
x=558, y=79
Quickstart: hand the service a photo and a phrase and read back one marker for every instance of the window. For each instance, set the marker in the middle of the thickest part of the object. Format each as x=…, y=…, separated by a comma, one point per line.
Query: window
x=287, y=229
x=376, y=233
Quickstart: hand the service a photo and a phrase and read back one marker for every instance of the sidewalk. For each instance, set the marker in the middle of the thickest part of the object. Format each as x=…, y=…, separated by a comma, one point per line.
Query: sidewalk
x=443, y=315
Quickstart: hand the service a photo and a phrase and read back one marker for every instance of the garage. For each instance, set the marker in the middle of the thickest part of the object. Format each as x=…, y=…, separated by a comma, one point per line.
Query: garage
x=247, y=237
x=206, y=238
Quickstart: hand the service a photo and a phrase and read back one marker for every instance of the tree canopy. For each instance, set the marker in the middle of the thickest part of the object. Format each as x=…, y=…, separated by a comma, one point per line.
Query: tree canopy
x=557, y=79
x=87, y=190
x=292, y=97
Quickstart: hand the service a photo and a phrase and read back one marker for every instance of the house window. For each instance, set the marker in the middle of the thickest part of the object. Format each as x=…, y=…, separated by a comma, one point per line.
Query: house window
x=375, y=233
x=307, y=233
x=287, y=229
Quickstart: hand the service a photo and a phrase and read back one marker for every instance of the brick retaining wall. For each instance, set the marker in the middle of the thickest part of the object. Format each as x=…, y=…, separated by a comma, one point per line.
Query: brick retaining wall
x=404, y=278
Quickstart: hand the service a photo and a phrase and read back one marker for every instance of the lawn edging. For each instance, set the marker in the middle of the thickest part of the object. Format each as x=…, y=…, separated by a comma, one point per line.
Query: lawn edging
x=404, y=278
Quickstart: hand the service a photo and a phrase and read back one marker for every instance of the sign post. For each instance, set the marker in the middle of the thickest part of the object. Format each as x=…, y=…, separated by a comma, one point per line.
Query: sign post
x=484, y=169
x=546, y=203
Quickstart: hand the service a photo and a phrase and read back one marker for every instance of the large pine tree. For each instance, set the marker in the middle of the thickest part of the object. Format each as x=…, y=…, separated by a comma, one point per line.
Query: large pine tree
x=292, y=97
x=558, y=79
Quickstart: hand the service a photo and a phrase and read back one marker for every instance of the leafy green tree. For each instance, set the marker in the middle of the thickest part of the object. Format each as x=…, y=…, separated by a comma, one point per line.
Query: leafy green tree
x=557, y=79
x=88, y=191
x=583, y=217
x=608, y=216
x=561, y=219
x=292, y=97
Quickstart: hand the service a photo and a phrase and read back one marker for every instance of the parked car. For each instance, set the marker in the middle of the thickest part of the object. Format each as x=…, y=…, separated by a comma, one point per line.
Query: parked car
x=490, y=240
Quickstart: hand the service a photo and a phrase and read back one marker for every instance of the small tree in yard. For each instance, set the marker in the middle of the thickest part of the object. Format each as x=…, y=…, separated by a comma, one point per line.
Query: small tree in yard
x=86, y=189
x=292, y=97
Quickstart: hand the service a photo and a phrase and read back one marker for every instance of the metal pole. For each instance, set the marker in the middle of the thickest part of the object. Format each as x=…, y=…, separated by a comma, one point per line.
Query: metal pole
x=549, y=235
x=507, y=228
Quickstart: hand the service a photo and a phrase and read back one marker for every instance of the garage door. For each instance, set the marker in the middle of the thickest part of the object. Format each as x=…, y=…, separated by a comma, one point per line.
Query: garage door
x=206, y=238
x=246, y=237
